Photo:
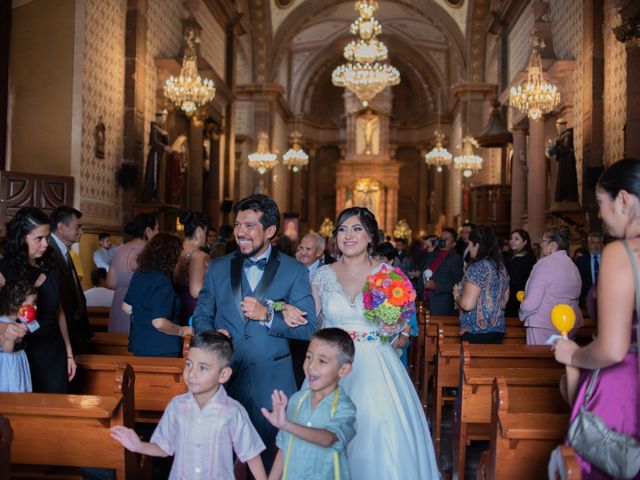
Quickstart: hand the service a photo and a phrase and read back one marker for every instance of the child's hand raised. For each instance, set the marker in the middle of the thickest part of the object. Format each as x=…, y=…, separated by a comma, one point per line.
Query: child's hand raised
x=278, y=417
x=127, y=437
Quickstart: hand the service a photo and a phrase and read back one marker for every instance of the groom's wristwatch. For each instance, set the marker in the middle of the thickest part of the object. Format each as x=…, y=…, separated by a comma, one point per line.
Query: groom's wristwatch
x=268, y=317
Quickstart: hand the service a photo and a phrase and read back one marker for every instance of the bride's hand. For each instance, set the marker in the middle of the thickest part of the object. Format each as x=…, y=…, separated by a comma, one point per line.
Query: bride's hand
x=293, y=316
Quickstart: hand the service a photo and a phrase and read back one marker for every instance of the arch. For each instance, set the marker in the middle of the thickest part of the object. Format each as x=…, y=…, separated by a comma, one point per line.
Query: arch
x=298, y=20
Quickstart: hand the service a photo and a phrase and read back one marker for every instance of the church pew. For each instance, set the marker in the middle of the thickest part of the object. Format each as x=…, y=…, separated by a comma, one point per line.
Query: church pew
x=98, y=318
x=567, y=466
x=472, y=412
x=69, y=431
x=157, y=381
x=521, y=441
x=6, y=436
x=104, y=343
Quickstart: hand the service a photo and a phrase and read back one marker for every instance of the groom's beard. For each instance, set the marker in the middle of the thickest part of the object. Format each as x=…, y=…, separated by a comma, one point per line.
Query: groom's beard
x=253, y=252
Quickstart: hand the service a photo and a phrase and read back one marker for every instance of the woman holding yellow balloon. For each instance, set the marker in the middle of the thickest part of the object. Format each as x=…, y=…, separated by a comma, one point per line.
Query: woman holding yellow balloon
x=554, y=280
x=615, y=394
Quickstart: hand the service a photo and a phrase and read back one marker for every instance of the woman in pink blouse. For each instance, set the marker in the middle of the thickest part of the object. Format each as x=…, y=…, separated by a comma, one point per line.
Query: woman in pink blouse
x=554, y=279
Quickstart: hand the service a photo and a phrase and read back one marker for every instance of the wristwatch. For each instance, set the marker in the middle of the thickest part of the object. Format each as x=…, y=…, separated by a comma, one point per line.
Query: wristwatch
x=268, y=317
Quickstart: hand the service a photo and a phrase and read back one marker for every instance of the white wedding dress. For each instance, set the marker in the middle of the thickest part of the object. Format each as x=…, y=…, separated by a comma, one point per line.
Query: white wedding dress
x=392, y=440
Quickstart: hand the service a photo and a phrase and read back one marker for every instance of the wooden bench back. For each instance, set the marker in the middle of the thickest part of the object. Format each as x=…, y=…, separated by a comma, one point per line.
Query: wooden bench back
x=98, y=318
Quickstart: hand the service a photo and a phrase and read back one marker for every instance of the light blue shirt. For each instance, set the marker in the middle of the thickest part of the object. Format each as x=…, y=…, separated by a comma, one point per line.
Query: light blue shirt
x=308, y=460
x=63, y=248
x=253, y=273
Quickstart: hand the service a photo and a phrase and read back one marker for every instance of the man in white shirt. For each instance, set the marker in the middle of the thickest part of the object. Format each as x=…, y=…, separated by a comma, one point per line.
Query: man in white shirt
x=102, y=256
x=99, y=295
x=310, y=251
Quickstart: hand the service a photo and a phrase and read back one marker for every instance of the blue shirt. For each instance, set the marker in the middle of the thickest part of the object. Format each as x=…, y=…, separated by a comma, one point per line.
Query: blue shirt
x=488, y=316
x=308, y=460
x=151, y=295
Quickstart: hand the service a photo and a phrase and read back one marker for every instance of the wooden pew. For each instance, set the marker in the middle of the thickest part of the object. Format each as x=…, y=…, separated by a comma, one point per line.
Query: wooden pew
x=6, y=436
x=98, y=318
x=68, y=430
x=103, y=343
x=157, y=381
x=472, y=412
x=568, y=467
x=521, y=439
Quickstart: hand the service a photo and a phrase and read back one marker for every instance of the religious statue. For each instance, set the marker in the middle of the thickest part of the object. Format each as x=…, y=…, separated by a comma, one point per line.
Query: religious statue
x=158, y=145
x=562, y=151
x=99, y=137
x=177, y=171
x=368, y=133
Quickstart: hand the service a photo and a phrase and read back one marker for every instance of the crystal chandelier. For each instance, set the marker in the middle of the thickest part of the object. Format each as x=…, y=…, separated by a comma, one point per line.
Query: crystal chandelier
x=327, y=227
x=364, y=74
x=296, y=158
x=402, y=230
x=189, y=91
x=438, y=157
x=468, y=161
x=262, y=159
x=535, y=97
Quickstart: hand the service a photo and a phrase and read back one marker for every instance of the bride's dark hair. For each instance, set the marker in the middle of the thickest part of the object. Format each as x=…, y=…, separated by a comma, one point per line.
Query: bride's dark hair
x=367, y=219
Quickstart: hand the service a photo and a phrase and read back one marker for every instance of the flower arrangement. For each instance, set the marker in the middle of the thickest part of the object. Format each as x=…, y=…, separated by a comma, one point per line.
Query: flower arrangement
x=388, y=299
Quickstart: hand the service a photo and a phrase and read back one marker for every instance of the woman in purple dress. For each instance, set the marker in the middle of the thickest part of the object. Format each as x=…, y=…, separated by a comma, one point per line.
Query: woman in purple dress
x=615, y=397
x=192, y=265
x=123, y=263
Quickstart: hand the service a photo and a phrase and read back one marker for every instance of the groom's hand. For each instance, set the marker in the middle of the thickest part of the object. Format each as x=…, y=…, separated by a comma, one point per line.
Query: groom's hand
x=253, y=309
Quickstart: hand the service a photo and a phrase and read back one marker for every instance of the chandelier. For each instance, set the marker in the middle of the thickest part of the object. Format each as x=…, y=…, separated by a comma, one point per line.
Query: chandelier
x=438, y=157
x=295, y=158
x=262, y=159
x=402, y=230
x=364, y=74
x=327, y=227
x=535, y=97
x=189, y=91
x=468, y=161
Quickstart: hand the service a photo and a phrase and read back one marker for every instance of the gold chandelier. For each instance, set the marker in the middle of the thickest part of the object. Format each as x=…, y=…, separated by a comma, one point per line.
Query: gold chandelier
x=263, y=159
x=189, y=91
x=468, y=161
x=438, y=157
x=535, y=97
x=296, y=158
x=364, y=74
x=402, y=230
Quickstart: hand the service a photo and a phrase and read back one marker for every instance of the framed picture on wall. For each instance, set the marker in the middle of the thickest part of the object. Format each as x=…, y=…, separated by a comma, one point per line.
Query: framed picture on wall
x=291, y=225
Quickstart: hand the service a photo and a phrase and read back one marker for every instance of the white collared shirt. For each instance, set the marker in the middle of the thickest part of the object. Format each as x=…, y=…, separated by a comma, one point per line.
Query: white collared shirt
x=313, y=267
x=253, y=273
x=63, y=248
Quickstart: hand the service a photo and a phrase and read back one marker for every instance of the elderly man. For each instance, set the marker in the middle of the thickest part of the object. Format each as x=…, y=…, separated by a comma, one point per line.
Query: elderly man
x=310, y=251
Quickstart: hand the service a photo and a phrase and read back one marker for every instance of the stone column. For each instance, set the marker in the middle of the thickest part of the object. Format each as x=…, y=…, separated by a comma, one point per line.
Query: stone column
x=536, y=180
x=518, y=178
x=391, y=214
x=341, y=197
x=194, y=169
x=629, y=33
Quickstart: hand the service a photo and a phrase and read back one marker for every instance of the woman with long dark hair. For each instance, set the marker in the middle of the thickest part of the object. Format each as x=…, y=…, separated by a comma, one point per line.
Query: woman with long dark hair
x=152, y=302
x=192, y=264
x=613, y=352
x=393, y=440
x=519, y=268
x=484, y=290
x=26, y=255
x=123, y=263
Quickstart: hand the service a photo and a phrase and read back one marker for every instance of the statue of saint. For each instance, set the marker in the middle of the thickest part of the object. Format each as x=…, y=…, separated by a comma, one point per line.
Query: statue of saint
x=99, y=136
x=368, y=133
x=177, y=172
x=562, y=151
x=158, y=144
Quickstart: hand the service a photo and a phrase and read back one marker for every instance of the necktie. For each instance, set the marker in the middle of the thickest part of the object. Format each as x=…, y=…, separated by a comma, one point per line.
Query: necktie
x=596, y=268
x=248, y=263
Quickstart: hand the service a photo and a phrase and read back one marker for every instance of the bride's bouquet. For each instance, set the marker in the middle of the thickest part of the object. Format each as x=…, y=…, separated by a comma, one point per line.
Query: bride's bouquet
x=388, y=300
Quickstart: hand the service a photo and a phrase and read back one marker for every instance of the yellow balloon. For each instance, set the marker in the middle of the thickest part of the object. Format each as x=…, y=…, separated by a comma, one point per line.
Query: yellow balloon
x=563, y=318
x=520, y=296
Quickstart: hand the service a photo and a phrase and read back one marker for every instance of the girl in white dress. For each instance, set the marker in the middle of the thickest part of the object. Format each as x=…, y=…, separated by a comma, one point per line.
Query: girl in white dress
x=392, y=440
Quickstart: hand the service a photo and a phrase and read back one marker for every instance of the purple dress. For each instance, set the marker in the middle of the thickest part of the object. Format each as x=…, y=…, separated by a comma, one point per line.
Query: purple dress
x=187, y=302
x=614, y=399
x=119, y=321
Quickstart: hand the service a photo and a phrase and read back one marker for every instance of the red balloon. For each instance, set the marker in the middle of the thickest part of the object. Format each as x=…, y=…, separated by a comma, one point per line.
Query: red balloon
x=27, y=313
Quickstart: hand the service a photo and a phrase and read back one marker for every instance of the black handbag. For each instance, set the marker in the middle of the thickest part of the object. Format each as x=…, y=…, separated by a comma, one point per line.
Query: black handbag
x=611, y=452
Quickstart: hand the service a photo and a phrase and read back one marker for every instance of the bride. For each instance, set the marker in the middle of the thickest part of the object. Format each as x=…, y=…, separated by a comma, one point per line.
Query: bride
x=393, y=440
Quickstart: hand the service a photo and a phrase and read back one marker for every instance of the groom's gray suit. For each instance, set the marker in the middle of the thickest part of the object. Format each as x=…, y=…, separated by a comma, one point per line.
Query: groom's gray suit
x=261, y=358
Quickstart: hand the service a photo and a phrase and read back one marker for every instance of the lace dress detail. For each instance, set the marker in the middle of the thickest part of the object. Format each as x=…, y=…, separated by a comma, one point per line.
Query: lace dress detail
x=392, y=440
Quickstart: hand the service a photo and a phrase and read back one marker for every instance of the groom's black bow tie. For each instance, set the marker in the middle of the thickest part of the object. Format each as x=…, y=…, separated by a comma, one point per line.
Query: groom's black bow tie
x=248, y=263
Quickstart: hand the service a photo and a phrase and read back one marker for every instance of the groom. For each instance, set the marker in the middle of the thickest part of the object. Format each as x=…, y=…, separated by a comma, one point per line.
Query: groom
x=237, y=296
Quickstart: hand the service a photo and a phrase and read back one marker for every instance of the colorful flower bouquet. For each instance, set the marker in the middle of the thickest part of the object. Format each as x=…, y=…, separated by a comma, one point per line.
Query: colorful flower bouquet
x=388, y=300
